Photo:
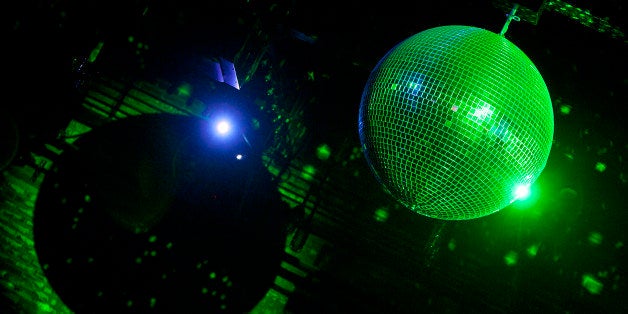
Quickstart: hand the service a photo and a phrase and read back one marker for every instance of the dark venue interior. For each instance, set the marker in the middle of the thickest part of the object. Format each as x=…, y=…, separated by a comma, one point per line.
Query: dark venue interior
x=118, y=196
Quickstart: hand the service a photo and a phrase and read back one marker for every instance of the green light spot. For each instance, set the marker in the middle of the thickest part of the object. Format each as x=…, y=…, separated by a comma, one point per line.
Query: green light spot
x=393, y=86
x=285, y=284
x=600, y=166
x=153, y=253
x=225, y=278
x=522, y=191
x=169, y=245
x=565, y=109
x=138, y=260
x=590, y=283
x=153, y=301
x=44, y=307
x=129, y=303
x=152, y=239
x=212, y=275
x=99, y=294
x=595, y=238
x=532, y=250
x=451, y=245
x=381, y=214
x=511, y=258
x=199, y=265
x=131, y=38
x=164, y=276
x=255, y=122
x=223, y=307
x=323, y=152
x=90, y=260
x=204, y=291
x=185, y=89
x=619, y=244
x=88, y=198
x=69, y=260
x=308, y=172
x=95, y=52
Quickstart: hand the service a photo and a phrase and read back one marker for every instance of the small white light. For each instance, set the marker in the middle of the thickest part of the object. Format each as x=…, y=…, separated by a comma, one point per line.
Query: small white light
x=522, y=191
x=223, y=127
x=239, y=156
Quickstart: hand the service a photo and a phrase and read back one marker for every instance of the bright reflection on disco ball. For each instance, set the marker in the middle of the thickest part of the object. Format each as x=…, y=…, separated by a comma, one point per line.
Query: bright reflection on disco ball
x=454, y=121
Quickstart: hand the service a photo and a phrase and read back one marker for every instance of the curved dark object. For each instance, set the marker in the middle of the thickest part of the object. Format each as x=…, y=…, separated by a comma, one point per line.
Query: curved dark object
x=153, y=214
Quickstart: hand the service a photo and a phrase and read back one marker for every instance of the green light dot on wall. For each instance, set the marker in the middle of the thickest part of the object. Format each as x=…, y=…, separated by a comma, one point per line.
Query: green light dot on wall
x=595, y=238
x=511, y=258
x=532, y=250
x=323, y=152
x=381, y=214
x=565, y=109
x=308, y=172
x=451, y=245
x=591, y=283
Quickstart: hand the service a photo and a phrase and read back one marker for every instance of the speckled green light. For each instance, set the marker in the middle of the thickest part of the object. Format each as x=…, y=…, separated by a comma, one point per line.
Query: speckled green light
x=453, y=120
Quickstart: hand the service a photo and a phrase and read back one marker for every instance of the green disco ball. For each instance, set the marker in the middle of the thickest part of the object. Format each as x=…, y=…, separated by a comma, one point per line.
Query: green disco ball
x=455, y=121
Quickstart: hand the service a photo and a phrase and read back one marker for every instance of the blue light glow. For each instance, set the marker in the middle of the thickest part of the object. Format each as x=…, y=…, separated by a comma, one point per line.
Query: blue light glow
x=223, y=127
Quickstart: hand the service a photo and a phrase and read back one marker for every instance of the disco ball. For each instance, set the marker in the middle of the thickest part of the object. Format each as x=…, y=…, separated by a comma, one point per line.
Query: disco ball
x=455, y=120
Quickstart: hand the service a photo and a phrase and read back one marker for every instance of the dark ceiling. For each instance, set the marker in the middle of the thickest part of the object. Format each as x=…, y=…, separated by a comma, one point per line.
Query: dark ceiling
x=324, y=52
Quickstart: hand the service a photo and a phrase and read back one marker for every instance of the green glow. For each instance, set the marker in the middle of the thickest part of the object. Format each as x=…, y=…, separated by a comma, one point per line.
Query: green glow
x=285, y=284
x=592, y=285
x=532, y=250
x=273, y=302
x=452, y=119
x=595, y=238
x=185, y=89
x=584, y=17
x=153, y=301
x=323, y=152
x=152, y=239
x=95, y=52
x=565, y=109
x=451, y=245
x=381, y=214
x=44, y=307
x=600, y=166
x=308, y=172
x=511, y=258
x=522, y=191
